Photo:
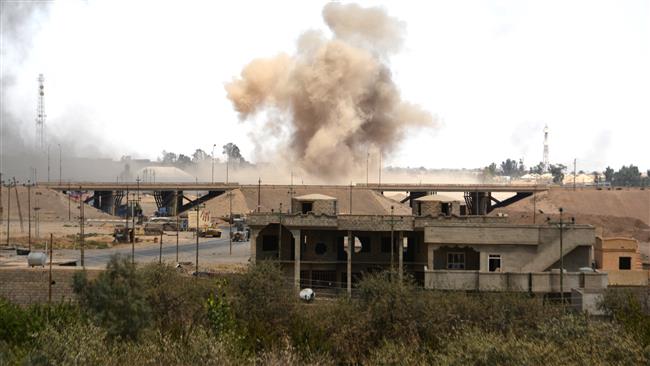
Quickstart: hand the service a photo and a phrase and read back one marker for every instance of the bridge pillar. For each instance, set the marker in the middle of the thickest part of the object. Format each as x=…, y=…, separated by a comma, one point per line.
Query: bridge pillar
x=104, y=200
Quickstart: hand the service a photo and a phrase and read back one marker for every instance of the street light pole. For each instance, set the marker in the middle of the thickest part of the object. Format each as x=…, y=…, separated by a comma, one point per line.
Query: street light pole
x=48, y=163
x=561, y=258
x=213, y=146
x=60, y=169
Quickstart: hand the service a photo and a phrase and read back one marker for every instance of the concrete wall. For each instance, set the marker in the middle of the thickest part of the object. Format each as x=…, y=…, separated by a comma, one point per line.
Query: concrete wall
x=628, y=278
x=26, y=286
x=540, y=282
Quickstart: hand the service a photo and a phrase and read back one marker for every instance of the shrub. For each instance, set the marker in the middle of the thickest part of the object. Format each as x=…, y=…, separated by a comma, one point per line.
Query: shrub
x=116, y=299
x=263, y=304
x=630, y=309
x=175, y=300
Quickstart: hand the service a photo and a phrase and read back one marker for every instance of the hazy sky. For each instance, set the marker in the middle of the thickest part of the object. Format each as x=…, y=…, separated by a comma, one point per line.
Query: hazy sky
x=149, y=76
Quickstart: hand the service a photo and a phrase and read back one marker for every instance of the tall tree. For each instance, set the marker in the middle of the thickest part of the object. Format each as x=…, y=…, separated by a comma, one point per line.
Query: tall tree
x=557, y=170
x=609, y=174
x=199, y=156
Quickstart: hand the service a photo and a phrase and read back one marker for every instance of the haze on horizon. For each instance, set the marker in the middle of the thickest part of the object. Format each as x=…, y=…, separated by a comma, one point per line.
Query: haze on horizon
x=137, y=78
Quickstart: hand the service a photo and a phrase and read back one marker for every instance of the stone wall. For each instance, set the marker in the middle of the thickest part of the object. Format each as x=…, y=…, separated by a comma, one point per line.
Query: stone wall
x=25, y=286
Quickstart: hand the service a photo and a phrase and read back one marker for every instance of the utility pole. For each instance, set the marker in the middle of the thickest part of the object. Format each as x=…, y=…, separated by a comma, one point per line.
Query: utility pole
x=367, y=166
x=49, y=284
x=259, y=195
x=392, y=237
x=562, y=257
x=280, y=233
x=8, y=209
x=230, y=219
x=69, y=198
x=350, y=198
x=379, y=167
x=60, y=165
x=137, y=181
x=177, y=221
x=160, y=251
x=20, y=213
x=574, y=174
x=29, y=216
x=82, y=233
x=197, y=239
x=2, y=182
x=561, y=225
x=48, y=163
x=227, y=164
x=213, y=146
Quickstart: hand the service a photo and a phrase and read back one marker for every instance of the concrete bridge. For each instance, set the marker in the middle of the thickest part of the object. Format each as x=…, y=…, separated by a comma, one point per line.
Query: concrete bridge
x=108, y=196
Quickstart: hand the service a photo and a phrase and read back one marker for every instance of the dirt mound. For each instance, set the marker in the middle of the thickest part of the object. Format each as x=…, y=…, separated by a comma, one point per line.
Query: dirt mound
x=244, y=201
x=634, y=203
x=51, y=205
x=612, y=212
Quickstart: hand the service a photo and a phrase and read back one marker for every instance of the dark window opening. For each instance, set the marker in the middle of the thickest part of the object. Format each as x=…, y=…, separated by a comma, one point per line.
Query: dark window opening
x=385, y=244
x=269, y=242
x=494, y=263
x=455, y=260
x=463, y=210
x=341, y=254
x=307, y=207
x=419, y=208
x=445, y=208
x=320, y=248
x=624, y=262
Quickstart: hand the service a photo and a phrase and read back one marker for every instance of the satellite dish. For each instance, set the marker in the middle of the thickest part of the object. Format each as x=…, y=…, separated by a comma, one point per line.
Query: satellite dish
x=307, y=295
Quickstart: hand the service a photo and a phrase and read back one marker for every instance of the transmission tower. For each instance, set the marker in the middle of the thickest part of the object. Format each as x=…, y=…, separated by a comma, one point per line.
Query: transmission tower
x=40, y=115
x=545, y=161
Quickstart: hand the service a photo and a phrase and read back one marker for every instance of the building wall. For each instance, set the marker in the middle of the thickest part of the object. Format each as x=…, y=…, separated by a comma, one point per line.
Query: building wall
x=434, y=208
x=327, y=207
x=25, y=286
x=607, y=252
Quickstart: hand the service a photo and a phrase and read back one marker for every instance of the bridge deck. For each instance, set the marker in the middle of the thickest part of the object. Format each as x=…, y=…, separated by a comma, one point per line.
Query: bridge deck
x=220, y=186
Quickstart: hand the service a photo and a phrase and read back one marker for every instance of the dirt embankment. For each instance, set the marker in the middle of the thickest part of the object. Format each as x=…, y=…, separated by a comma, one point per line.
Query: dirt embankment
x=613, y=212
x=244, y=201
x=51, y=205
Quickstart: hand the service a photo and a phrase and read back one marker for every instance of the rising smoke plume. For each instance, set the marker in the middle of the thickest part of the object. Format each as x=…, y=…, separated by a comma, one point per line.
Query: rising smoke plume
x=336, y=97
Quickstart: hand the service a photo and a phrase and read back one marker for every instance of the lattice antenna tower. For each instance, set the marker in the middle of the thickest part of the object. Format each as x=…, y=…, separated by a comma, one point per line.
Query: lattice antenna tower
x=545, y=161
x=40, y=114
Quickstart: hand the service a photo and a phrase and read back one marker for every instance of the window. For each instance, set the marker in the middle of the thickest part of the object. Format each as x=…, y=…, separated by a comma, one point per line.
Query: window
x=445, y=208
x=307, y=207
x=269, y=242
x=624, y=262
x=419, y=208
x=321, y=248
x=494, y=263
x=385, y=244
x=455, y=260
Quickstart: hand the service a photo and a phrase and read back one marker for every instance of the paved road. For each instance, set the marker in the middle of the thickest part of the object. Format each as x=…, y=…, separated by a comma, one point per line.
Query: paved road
x=211, y=251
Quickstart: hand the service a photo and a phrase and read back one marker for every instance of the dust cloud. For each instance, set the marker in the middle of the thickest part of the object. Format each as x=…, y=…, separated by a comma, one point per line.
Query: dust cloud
x=335, y=96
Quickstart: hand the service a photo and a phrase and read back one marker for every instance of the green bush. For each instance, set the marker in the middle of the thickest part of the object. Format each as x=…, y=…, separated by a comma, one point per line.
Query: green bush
x=116, y=300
